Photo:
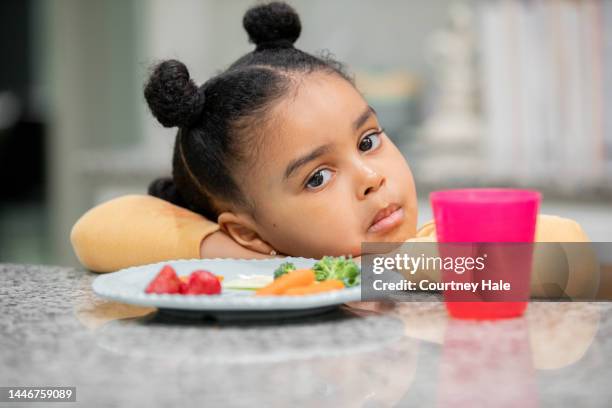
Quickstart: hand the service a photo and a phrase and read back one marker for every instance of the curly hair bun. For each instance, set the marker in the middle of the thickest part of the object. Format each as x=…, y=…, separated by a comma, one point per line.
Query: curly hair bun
x=172, y=96
x=273, y=25
x=165, y=189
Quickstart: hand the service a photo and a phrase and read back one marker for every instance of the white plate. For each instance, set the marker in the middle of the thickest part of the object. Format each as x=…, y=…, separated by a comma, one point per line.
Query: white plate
x=128, y=286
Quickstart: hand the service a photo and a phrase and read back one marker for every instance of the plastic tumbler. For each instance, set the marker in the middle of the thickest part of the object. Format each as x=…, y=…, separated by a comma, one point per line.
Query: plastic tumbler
x=499, y=225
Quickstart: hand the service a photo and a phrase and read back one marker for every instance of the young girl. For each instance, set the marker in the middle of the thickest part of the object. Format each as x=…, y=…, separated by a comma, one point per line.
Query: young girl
x=281, y=150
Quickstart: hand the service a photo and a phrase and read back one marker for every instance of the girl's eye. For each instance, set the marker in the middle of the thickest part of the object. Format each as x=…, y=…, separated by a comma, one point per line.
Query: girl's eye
x=318, y=179
x=370, y=141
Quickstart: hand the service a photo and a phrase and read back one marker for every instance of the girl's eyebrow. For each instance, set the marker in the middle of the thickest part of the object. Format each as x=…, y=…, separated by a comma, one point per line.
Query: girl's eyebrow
x=301, y=161
x=369, y=111
x=321, y=150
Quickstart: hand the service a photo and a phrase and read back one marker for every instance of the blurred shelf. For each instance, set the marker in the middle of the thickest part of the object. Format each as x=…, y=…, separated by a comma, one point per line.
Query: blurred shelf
x=447, y=167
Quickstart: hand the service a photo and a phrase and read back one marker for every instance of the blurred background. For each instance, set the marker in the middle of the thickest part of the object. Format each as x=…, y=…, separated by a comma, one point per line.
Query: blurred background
x=480, y=93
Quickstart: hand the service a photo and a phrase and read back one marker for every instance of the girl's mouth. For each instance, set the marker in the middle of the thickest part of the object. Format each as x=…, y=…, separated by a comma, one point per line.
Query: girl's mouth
x=388, y=222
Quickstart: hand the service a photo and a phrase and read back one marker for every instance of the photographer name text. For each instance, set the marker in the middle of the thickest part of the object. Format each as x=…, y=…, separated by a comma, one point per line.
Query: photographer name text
x=426, y=285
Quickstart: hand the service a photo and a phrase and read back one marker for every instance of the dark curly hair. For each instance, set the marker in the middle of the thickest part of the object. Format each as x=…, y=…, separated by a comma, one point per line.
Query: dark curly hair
x=217, y=121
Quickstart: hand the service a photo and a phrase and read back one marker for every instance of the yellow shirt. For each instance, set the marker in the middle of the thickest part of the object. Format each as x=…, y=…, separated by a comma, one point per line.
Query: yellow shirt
x=141, y=229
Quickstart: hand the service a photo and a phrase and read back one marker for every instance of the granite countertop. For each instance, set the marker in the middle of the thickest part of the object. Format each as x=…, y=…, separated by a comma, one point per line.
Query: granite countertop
x=55, y=331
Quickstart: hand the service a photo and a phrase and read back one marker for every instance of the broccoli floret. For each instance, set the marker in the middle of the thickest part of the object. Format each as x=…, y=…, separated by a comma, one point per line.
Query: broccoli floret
x=340, y=268
x=323, y=268
x=283, y=269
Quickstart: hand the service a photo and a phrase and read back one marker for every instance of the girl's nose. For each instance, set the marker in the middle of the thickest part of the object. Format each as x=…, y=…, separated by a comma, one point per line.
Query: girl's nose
x=371, y=181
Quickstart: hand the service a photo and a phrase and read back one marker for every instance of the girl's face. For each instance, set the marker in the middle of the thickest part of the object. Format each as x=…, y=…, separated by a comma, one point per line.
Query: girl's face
x=324, y=171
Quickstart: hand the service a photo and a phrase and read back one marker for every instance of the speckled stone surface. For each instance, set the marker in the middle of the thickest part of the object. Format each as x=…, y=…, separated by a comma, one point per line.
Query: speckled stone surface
x=55, y=331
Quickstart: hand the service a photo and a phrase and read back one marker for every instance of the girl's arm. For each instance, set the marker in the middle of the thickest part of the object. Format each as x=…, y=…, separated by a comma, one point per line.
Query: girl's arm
x=140, y=229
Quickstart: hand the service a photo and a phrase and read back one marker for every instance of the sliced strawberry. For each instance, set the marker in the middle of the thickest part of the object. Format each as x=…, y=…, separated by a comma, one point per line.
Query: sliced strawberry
x=203, y=283
x=166, y=281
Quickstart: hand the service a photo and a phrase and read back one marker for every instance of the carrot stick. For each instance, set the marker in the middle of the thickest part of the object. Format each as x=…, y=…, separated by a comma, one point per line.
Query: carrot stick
x=299, y=277
x=317, y=287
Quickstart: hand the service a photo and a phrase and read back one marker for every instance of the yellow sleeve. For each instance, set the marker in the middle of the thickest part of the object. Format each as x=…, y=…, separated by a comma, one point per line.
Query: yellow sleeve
x=135, y=230
x=565, y=263
x=551, y=228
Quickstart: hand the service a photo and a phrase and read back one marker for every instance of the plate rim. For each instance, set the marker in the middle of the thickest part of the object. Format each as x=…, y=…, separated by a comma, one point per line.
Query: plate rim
x=212, y=303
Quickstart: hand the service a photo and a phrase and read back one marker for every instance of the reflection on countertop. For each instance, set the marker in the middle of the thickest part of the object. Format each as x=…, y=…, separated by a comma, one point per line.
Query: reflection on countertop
x=55, y=331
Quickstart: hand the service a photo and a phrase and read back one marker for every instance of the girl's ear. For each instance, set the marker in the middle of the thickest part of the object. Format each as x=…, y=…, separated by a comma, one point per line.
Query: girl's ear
x=241, y=229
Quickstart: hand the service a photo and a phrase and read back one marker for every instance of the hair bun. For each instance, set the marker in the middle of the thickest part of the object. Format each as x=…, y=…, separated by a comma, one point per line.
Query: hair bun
x=172, y=96
x=165, y=189
x=273, y=25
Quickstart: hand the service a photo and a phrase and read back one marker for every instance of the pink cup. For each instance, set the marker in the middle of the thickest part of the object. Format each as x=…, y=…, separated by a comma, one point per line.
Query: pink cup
x=499, y=223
